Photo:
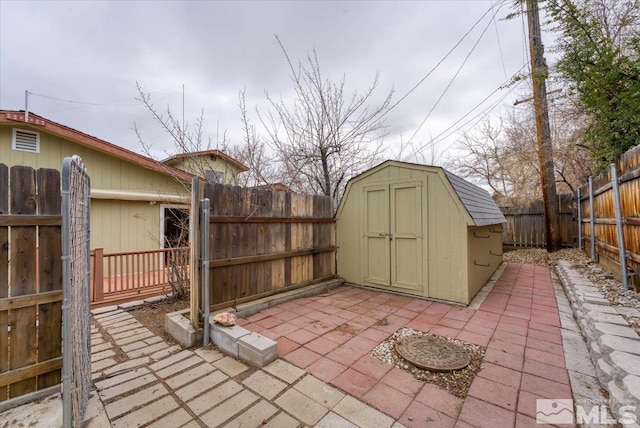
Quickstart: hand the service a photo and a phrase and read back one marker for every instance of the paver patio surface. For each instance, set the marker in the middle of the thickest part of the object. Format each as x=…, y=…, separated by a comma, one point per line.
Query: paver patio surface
x=331, y=335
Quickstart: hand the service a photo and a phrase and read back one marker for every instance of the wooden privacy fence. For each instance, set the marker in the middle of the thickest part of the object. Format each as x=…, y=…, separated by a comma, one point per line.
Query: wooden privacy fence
x=263, y=242
x=611, y=230
x=30, y=280
x=525, y=226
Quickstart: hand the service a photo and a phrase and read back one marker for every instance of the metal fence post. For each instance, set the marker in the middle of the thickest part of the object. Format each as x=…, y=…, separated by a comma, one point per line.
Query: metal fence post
x=204, y=242
x=592, y=220
x=579, y=221
x=619, y=226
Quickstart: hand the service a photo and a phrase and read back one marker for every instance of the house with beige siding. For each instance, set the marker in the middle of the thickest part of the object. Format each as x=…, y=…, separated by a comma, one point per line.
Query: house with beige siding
x=212, y=165
x=133, y=197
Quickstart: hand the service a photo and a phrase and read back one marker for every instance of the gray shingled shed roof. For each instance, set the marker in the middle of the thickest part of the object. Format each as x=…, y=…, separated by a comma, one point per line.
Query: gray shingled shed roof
x=481, y=207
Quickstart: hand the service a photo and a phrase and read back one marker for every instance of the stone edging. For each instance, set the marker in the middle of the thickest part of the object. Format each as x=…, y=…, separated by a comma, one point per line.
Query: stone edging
x=614, y=347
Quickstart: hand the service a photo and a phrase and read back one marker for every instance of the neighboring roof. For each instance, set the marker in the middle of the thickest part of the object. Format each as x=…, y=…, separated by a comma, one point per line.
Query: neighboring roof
x=480, y=205
x=477, y=201
x=39, y=123
x=173, y=159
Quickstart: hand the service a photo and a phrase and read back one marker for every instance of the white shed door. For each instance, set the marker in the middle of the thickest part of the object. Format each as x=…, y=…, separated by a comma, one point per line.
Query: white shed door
x=393, y=236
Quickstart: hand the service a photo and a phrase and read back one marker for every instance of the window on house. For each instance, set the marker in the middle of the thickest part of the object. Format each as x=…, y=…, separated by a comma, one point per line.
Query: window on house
x=213, y=176
x=25, y=141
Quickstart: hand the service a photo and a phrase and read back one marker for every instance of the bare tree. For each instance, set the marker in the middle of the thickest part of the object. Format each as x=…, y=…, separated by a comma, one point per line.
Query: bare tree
x=187, y=140
x=325, y=136
x=252, y=152
x=504, y=156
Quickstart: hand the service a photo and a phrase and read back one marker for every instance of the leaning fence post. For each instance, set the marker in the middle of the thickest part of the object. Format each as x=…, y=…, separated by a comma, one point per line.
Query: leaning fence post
x=619, y=226
x=204, y=254
x=592, y=220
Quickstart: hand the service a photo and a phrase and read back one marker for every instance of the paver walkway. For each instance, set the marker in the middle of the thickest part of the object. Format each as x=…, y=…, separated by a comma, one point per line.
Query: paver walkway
x=162, y=386
x=330, y=336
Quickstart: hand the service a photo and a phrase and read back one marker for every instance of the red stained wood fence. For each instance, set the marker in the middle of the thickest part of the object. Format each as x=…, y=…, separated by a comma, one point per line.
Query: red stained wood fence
x=30, y=280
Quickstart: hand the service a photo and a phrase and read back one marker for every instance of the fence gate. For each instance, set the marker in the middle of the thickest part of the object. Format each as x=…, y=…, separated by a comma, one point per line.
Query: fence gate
x=76, y=310
x=30, y=281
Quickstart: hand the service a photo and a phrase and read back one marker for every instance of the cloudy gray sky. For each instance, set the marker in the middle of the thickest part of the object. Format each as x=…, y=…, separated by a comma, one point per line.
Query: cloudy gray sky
x=80, y=60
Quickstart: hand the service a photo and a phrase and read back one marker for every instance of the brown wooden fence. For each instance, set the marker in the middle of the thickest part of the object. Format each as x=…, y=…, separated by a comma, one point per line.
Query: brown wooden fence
x=30, y=280
x=525, y=226
x=264, y=242
x=602, y=228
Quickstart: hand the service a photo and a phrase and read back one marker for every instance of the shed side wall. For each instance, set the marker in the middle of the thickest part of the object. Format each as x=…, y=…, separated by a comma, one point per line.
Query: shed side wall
x=447, y=244
x=485, y=255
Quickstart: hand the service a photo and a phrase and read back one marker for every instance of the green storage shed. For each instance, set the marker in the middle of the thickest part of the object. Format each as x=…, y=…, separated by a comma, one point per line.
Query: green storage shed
x=418, y=229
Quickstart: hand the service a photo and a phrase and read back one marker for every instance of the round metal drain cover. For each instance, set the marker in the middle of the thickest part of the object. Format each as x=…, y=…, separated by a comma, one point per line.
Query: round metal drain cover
x=433, y=353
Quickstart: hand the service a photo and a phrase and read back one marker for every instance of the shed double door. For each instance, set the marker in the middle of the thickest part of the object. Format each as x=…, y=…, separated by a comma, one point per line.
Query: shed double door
x=393, y=236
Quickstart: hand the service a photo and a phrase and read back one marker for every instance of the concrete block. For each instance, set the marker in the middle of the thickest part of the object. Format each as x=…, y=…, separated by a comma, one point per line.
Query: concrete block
x=104, y=310
x=632, y=387
x=630, y=312
x=226, y=338
x=154, y=299
x=624, y=363
x=617, y=397
x=610, y=343
x=604, y=371
x=131, y=305
x=608, y=318
x=180, y=328
x=257, y=350
x=589, y=307
x=596, y=300
x=601, y=328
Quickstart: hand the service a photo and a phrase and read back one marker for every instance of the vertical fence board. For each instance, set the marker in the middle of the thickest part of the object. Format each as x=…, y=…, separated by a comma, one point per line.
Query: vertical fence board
x=50, y=274
x=22, y=338
x=4, y=276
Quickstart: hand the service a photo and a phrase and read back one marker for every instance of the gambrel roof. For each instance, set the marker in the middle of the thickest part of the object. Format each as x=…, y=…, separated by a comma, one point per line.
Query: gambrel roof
x=481, y=207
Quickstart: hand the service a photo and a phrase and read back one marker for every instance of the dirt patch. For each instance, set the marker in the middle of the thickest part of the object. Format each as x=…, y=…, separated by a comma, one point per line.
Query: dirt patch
x=152, y=316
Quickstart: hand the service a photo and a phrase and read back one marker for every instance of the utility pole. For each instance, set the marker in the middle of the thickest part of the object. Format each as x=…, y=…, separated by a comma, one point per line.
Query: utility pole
x=545, y=149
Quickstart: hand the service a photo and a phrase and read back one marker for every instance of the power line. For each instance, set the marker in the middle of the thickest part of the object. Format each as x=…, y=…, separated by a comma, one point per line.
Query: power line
x=454, y=76
x=495, y=26
x=443, y=59
x=482, y=114
x=100, y=104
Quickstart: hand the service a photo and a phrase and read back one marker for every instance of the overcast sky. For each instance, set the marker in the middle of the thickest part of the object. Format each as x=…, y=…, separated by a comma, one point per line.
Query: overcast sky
x=80, y=60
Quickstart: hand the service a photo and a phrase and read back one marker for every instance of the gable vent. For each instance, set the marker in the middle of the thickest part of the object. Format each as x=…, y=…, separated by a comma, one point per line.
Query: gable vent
x=26, y=141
